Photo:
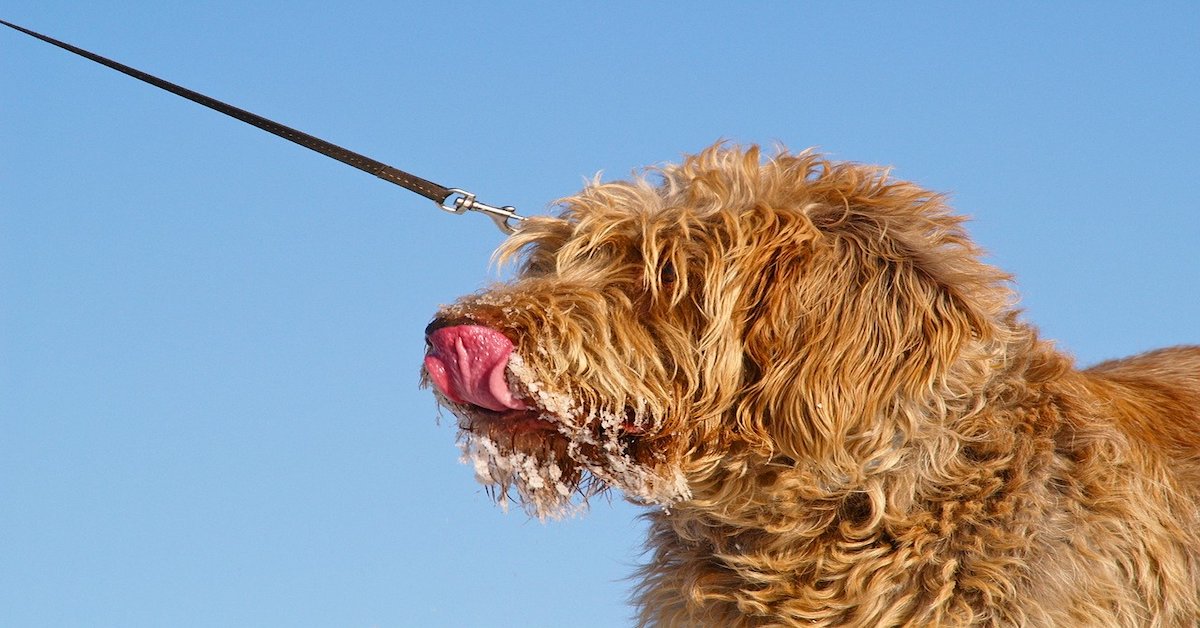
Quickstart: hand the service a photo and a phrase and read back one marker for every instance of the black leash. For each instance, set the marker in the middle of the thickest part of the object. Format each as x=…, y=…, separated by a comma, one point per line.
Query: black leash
x=453, y=200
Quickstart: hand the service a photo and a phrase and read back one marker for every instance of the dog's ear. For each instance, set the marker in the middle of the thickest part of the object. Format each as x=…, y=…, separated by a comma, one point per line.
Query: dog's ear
x=850, y=331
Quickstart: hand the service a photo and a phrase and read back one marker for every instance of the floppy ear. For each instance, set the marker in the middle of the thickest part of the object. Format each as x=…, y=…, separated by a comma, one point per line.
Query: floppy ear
x=849, y=330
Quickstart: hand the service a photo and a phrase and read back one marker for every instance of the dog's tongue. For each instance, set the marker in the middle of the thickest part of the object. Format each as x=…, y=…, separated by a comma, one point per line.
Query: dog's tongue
x=467, y=362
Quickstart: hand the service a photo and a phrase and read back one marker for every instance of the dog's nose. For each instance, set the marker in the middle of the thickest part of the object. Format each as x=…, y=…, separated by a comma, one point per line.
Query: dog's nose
x=445, y=321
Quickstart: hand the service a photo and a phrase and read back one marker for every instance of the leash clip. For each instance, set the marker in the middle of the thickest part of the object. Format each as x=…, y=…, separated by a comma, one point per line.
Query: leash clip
x=440, y=195
x=464, y=201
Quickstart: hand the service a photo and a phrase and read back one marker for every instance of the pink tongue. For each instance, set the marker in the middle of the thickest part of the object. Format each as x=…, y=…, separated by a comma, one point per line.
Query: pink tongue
x=466, y=363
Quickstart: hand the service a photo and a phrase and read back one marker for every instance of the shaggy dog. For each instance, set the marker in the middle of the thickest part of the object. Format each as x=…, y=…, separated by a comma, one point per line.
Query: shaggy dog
x=833, y=403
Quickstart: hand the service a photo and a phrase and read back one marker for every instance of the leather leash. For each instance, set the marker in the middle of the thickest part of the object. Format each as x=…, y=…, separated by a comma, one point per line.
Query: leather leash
x=453, y=200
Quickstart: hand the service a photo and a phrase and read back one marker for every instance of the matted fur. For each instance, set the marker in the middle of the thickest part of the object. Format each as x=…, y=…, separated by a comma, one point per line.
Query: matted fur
x=831, y=397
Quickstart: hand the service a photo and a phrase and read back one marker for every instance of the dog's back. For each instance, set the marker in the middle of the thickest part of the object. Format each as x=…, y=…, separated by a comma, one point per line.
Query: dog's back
x=1156, y=399
x=1130, y=446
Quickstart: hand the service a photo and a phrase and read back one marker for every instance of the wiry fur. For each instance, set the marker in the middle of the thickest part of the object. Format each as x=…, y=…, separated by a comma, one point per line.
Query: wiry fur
x=853, y=426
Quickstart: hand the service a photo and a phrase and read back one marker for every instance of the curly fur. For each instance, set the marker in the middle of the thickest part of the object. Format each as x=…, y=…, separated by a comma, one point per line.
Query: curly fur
x=807, y=364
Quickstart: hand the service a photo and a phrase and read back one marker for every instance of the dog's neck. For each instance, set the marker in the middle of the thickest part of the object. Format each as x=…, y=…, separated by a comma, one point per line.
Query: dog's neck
x=825, y=539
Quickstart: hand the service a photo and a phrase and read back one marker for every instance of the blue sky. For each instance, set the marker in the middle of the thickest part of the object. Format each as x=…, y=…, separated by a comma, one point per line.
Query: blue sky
x=210, y=338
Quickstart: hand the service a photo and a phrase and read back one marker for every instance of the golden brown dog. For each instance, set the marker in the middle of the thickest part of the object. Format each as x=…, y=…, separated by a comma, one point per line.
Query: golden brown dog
x=833, y=403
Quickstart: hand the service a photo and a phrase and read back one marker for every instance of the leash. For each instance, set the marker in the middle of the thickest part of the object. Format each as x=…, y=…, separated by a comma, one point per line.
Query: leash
x=452, y=200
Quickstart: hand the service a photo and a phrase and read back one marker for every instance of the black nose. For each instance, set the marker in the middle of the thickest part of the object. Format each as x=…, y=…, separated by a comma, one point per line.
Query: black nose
x=446, y=321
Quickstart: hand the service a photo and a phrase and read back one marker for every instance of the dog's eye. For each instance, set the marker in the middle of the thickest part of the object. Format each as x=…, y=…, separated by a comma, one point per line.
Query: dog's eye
x=666, y=275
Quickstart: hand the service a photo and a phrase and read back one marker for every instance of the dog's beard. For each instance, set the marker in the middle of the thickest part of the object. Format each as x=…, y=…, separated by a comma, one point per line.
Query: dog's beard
x=554, y=456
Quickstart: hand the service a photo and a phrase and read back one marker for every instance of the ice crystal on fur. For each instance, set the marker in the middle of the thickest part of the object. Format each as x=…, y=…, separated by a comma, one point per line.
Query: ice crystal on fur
x=613, y=466
x=538, y=483
x=536, y=479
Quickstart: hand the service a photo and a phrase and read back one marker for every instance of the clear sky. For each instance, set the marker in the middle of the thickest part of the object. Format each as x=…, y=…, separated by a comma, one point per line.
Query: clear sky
x=210, y=338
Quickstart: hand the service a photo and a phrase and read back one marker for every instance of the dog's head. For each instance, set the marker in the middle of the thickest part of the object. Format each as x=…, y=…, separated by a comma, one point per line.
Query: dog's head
x=733, y=313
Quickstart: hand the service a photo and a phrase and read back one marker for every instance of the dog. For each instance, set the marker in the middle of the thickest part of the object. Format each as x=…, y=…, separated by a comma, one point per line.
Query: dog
x=832, y=404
